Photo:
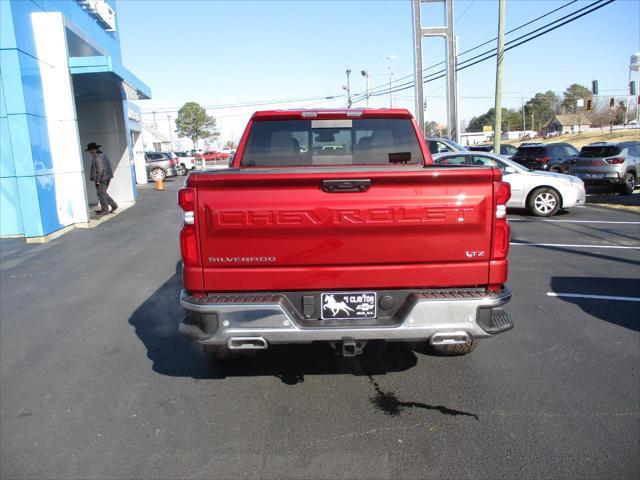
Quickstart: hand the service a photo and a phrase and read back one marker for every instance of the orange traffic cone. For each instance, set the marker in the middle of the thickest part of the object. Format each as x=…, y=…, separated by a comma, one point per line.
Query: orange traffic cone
x=160, y=184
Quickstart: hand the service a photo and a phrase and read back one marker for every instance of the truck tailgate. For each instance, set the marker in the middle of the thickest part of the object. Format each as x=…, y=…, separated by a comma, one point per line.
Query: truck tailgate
x=277, y=229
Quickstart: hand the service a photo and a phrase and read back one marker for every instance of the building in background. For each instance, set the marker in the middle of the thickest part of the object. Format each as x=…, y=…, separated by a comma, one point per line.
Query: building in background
x=571, y=123
x=63, y=85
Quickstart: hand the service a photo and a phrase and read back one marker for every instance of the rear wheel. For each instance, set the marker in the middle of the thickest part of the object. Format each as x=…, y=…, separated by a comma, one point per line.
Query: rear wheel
x=544, y=202
x=453, y=350
x=157, y=174
x=181, y=169
x=629, y=183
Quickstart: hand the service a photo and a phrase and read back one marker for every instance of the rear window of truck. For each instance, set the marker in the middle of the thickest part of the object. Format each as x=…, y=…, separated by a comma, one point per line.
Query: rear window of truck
x=600, y=151
x=374, y=141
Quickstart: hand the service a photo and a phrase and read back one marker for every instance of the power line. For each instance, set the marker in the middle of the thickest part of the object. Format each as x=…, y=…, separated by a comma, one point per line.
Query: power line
x=491, y=53
x=411, y=82
x=438, y=75
x=551, y=12
x=247, y=104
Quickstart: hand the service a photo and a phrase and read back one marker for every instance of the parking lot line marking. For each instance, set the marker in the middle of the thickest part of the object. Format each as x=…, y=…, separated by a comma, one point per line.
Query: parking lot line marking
x=572, y=221
x=596, y=297
x=621, y=247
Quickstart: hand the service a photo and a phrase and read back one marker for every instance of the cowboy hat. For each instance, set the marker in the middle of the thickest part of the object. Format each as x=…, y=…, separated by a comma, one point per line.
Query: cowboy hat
x=92, y=146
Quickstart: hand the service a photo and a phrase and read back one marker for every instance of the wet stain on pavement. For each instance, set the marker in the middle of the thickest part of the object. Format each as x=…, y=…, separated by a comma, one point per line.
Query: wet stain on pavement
x=392, y=406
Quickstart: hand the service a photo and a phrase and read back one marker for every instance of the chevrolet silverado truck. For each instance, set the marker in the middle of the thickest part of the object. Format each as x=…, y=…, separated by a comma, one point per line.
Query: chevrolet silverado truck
x=336, y=226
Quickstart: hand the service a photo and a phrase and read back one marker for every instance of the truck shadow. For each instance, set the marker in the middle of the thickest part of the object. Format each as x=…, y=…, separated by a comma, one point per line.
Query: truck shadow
x=623, y=313
x=156, y=325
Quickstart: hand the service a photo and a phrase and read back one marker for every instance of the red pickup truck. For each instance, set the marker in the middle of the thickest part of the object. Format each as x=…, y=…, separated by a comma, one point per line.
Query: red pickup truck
x=336, y=226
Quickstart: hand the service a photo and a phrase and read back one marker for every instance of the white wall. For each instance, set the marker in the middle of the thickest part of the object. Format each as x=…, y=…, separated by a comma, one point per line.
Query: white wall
x=67, y=166
x=104, y=124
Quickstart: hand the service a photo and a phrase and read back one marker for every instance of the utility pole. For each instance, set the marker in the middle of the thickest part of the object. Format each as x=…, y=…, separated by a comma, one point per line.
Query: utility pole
x=524, y=118
x=532, y=124
x=170, y=133
x=348, y=88
x=155, y=128
x=497, y=128
x=365, y=74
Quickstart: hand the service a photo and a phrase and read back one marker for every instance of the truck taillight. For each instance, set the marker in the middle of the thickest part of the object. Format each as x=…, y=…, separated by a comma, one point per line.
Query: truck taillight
x=503, y=194
x=187, y=199
x=189, y=246
x=501, y=230
x=614, y=161
x=188, y=233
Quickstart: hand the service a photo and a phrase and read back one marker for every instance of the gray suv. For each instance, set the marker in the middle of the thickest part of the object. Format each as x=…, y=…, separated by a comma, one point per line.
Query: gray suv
x=160, y=165
x=613, y=164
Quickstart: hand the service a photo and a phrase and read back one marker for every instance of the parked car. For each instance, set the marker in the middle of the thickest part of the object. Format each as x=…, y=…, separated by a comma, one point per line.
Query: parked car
x=542, y=193
x=216, y=155
x=293, y=254
x=613, y=164
x=160, y=165
x=441, y=145
x=545, y=156
x=185, y=163
x=505, y=148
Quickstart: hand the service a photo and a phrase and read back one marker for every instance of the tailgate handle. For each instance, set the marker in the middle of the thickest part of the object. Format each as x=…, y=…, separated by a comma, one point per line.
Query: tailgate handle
x=339, y=186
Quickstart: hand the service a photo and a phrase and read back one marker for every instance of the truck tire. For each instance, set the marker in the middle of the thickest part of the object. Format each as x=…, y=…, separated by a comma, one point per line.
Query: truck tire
x=453, y=350
x=544, y=202
x=181, y=169
x=629, y=184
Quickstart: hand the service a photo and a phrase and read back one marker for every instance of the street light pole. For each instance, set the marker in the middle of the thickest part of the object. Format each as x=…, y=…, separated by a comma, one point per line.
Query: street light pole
x=365, y=74
x=170, y=134
x=349, y=102
x=155, y=130
x=390, y=57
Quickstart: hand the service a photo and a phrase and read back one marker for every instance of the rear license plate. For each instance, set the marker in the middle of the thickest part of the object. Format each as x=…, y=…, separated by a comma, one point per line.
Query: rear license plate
x=347, y=305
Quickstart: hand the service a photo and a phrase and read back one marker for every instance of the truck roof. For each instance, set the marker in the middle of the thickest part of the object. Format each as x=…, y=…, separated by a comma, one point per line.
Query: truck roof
x=333, y=113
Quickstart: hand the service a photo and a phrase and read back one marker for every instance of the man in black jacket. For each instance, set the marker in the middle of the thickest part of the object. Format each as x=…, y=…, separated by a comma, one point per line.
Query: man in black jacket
x=101, y=175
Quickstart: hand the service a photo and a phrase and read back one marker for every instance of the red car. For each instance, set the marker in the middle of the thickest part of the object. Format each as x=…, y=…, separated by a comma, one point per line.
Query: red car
x=216, y=156
x=336, y=226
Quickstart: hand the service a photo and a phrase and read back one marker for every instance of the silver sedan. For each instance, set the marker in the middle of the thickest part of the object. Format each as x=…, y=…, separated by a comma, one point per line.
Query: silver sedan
x=542, y=193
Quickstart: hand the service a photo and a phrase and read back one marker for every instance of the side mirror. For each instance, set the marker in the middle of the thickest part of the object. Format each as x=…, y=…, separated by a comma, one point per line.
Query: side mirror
x=509, y=170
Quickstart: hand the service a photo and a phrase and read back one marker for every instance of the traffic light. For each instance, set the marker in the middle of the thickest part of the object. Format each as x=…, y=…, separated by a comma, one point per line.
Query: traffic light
x=589, y=105
x=612, y=102
x=632, y=88
x=594, y=87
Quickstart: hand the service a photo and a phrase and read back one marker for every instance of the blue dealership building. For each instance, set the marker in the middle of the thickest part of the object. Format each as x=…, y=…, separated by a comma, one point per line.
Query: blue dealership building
x=63, y=85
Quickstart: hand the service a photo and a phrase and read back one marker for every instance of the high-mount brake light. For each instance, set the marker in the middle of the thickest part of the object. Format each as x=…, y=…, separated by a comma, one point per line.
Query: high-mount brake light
x=309, y=114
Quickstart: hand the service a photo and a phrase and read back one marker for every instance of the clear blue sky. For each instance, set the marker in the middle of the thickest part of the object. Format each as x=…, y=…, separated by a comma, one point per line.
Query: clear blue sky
x=223, y=52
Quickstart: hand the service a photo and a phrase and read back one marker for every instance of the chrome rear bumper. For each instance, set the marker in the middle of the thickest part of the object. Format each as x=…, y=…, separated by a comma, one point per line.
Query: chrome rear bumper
x=216, y=319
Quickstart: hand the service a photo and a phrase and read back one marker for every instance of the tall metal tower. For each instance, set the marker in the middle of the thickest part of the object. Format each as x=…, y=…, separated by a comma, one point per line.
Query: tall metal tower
x=447, y=32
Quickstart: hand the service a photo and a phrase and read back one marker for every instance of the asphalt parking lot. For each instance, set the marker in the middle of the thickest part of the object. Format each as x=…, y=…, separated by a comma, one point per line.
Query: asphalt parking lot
x=96, y=382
